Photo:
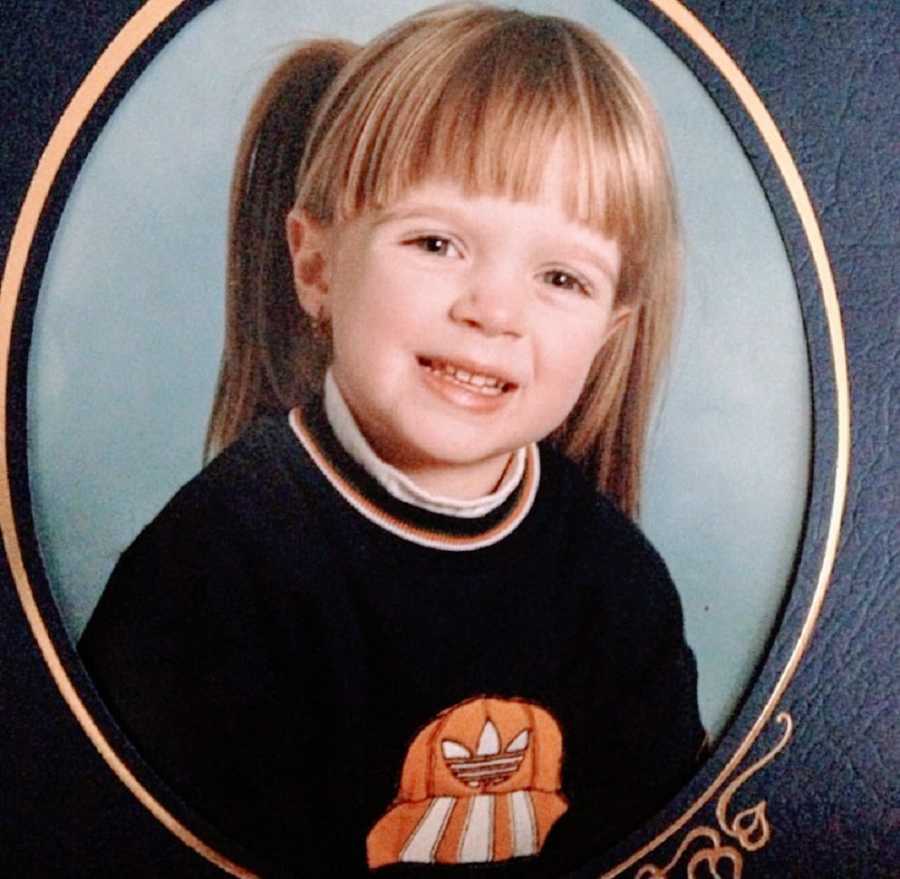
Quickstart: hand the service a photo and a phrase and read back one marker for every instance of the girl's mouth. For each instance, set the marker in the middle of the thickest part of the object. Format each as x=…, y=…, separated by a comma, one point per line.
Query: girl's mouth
x=478, y=382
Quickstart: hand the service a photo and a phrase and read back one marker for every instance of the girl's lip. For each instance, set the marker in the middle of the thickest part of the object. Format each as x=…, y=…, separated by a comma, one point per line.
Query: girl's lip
x=503, y=379
x=467, y=397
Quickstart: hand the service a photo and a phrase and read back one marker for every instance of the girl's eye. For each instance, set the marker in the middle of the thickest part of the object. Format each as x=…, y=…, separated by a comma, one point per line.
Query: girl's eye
x=566, y=281
x=435, y=244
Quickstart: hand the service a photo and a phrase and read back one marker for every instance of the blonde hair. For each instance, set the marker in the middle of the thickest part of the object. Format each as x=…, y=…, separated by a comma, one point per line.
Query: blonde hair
x=479, y=95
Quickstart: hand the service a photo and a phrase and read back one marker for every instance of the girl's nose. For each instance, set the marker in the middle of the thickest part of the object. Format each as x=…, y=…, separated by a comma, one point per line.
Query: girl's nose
x=493, y=305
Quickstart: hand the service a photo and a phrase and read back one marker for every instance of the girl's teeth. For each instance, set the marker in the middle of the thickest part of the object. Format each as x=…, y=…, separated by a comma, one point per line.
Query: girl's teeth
x=484, y=384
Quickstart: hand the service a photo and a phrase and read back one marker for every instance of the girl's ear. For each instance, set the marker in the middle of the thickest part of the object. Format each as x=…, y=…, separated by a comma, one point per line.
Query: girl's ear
x=307, y=241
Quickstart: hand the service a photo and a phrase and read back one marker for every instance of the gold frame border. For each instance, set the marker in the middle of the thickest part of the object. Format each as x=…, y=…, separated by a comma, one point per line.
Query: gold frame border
x=133, y=34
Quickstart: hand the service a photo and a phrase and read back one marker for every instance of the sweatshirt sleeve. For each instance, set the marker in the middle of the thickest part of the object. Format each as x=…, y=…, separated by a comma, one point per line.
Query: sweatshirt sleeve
x=659, y=731
x=154, y=658
x=646, y=739
x=185, y=649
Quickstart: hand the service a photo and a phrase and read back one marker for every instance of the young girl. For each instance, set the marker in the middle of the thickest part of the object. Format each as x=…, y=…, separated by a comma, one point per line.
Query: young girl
x=401, y=622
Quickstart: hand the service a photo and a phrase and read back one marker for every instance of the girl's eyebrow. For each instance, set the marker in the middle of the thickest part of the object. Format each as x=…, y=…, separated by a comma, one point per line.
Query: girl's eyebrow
x=602, y=263
x=411, y=211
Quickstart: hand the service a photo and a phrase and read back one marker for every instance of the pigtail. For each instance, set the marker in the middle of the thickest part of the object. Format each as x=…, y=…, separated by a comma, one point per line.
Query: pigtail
x=272, y=358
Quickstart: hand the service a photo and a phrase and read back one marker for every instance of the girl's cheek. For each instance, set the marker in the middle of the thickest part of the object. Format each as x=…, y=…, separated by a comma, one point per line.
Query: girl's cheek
x=571, y=352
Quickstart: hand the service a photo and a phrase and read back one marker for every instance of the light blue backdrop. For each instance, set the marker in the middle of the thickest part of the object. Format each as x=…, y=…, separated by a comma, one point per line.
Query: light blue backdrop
x=129, y=324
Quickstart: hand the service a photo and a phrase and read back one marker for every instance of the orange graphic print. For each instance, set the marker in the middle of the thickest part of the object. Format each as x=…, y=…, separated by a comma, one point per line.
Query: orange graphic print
x=480, y=783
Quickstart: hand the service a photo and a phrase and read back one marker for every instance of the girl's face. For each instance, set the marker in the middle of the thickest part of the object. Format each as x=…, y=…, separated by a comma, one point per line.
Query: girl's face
x=462, y=327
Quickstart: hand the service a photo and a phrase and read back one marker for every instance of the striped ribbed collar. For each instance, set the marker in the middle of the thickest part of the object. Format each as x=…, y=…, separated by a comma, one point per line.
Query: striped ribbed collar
x=412, y=523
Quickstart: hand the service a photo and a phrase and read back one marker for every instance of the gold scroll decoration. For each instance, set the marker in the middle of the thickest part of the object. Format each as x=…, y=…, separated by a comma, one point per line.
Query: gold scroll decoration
x=747, y=831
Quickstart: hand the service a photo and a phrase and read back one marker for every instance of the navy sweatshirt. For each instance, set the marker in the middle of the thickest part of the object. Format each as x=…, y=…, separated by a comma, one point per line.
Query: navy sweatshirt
x=349, y=685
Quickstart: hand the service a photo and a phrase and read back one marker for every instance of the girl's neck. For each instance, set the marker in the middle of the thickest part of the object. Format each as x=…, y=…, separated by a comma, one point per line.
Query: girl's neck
x=473, y=481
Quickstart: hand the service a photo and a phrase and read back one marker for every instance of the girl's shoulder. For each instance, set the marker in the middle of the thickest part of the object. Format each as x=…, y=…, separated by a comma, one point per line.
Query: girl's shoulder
x=221, y=535
x=265, y=464
x=565, y=485
x=612, y=558
x=250, y=486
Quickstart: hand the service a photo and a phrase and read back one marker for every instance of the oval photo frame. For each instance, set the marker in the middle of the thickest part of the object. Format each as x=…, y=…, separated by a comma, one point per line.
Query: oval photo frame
x=735, y=748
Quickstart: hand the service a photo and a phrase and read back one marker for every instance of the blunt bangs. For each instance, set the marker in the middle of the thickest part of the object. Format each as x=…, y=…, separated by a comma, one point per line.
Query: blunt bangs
x=481, y=97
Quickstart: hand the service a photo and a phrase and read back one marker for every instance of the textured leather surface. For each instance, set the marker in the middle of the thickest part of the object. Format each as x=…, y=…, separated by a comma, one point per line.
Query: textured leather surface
x=828, y=74
x=825, y=72
x=834, y=795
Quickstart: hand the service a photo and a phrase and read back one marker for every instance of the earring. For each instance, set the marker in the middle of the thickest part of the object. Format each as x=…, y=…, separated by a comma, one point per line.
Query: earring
x=320, y=324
